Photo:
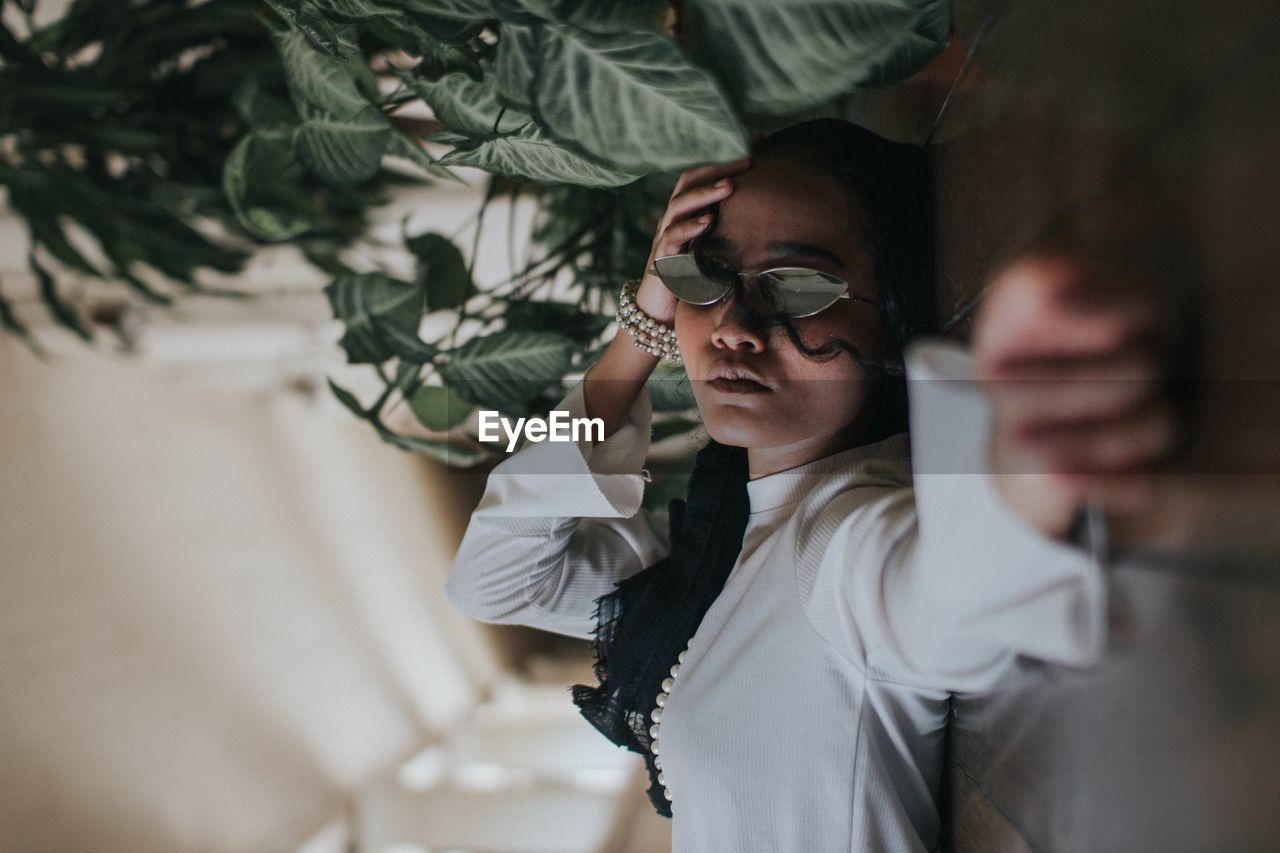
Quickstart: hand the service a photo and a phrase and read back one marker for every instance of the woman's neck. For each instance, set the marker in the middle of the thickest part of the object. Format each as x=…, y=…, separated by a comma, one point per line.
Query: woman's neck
x=763, y=461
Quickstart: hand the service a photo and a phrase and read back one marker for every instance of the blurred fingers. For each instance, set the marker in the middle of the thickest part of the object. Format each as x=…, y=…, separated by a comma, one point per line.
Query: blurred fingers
x=1043, y=391
x=1131, y=444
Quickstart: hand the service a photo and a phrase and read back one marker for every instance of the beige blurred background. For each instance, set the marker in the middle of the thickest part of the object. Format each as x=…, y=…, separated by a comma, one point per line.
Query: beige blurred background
x=222, y=625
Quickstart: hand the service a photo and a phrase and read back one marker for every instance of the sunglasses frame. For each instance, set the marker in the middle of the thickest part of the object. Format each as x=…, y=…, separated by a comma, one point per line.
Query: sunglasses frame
x=844, y=294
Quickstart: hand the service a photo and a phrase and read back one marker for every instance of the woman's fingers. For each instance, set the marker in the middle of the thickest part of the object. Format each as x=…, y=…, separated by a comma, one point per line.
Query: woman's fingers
x=695, y=198
x=1040, y=392
x=674, y=236
x=1123, y=445
x=709, y=174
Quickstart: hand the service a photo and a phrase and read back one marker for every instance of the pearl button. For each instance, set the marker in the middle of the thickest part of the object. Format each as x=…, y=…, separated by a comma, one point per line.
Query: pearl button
x=653, y=747
x=656, y=715
x=662, y=779
x=680, y=657
x=666, y=792
x=657, y=762
x=662, y=700
x=667, y=684
x=675, y=670
x=653, y=730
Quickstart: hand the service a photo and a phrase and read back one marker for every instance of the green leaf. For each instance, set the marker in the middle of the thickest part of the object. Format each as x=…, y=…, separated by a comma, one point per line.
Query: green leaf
x=438, y=56
x=9, y=322
x=602, y=17
x=343, y=150
x=461, y=10
x=263, y=111
x=466, y=106
x=634, y=100
x=448, y=137
x=411, y=149
x=669, y=389
x=255, y=165
x=440, y=271
x=381, y=315
x=438, y=408
x=355, y=9
x=781, y=58
x=310, y=24
x=322, y=81
x=529, y=155
x=349, y=400
x=563, y=317
x=515, y=65
x=507, y=367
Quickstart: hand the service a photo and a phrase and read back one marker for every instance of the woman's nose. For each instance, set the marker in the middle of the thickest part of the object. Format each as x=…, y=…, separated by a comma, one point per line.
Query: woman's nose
x=731, y=333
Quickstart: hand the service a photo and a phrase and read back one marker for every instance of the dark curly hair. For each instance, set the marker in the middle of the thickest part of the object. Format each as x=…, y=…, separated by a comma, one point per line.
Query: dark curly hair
x=890, y=184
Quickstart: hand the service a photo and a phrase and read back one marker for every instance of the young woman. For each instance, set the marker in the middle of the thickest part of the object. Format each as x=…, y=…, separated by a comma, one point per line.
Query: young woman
x=782, y=651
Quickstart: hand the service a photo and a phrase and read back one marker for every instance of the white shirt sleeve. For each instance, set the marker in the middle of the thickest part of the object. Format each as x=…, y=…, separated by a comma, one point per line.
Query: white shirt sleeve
x=559, y=524
x=943, y=585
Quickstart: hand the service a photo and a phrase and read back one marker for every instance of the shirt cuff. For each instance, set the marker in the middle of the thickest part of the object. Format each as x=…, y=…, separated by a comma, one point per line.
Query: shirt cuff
x=583, y=478
x=996, y=579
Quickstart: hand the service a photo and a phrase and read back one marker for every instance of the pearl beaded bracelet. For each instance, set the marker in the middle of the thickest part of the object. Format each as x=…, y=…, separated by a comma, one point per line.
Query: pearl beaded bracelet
x=649, y=335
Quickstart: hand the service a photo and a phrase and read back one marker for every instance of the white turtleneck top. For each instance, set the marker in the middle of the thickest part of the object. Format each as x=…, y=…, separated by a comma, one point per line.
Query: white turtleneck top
x=809, y=712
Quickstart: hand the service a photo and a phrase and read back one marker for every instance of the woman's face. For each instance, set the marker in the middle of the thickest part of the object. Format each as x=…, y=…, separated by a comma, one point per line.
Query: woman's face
x=786, y=210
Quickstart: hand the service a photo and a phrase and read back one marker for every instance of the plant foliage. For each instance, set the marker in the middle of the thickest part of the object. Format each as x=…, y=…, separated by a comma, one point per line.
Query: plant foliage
x=163, y=130
x=590, y=105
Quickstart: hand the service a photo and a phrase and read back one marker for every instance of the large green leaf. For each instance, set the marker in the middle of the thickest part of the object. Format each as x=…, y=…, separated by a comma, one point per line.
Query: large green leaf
x=356, y=9
x=440, y=271
x=343, y=150
x=507, y=367
x=779, y=58
x=461, y=10
x=602, y=17
x=322, y=81
x=529, y=155
x=467, y=106
x=381, y=315
x=634, y=100
x=256, y=166
x=514, y=65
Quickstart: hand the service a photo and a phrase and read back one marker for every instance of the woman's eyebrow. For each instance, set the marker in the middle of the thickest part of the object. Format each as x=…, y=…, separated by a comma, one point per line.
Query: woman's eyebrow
x=789, y=249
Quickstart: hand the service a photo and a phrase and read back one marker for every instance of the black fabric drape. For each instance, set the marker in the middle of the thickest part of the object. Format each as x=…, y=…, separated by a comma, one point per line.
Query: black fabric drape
x=644, y=624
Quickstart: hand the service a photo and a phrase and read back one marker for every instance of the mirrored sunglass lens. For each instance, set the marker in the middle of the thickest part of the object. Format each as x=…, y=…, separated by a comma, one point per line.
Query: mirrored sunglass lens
x=801, y=292
x=681, y=275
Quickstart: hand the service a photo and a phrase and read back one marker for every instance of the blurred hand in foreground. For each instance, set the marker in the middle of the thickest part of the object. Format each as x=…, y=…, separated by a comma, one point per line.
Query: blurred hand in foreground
x=1075, y=364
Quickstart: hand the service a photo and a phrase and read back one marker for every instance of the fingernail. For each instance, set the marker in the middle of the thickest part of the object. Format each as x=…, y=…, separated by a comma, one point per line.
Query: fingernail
x=705, y=219
x=722, y=183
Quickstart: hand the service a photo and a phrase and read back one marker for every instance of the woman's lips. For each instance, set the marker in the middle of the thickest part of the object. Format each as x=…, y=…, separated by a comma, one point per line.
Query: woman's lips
x=738, y=386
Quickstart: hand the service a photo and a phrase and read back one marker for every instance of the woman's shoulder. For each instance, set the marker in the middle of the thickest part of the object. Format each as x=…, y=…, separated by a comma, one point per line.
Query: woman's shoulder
x=866, y=495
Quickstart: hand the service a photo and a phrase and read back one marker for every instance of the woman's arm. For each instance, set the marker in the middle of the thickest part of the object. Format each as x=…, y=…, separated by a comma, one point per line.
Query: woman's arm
x=943, y=584
x=560, y=524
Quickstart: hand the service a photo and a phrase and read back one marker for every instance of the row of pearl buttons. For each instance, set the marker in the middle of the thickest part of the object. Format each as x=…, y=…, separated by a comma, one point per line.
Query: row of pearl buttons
x=656, y=716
